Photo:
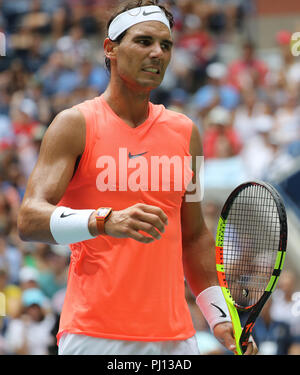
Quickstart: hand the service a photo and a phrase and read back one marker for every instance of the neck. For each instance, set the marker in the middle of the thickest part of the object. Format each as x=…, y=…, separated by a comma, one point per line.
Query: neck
x=131, y=105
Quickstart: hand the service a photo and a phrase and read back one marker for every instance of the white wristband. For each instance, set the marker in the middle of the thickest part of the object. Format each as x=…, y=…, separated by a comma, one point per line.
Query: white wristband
x=213, y=306
x=69, y=226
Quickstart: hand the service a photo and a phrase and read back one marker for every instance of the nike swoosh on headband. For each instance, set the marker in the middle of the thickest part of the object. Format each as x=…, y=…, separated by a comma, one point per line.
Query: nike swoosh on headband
x=134, y=16
x=149, y=13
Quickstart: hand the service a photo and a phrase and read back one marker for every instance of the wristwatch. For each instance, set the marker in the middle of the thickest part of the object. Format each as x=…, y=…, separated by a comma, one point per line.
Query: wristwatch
x=103, y=214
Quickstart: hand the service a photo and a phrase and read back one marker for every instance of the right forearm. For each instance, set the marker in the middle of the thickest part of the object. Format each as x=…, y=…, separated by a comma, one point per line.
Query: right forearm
x=39, y=221
x=34, y=222
x=43, y=222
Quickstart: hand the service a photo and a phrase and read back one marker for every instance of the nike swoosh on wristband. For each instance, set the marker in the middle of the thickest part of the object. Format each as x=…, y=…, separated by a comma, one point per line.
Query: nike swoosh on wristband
x=148, y=14
x=136, y=156
x=63, y=215
x=221, y=311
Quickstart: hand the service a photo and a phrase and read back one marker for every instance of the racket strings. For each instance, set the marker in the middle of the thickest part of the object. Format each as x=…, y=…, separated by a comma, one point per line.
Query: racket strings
x=251, y=241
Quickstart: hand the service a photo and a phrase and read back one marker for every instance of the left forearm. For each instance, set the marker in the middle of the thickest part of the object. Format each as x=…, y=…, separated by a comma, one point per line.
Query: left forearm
x=199, y=262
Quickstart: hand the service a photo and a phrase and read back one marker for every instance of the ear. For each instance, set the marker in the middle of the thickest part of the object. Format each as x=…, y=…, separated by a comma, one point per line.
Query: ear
x=109, y=49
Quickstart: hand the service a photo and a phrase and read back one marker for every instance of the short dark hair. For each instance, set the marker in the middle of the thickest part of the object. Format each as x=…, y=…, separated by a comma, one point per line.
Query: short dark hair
x=131, y=4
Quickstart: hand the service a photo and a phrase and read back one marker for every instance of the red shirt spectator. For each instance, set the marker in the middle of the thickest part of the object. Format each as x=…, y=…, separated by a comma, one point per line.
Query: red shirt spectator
x=247, y=72
x=220, y=139
x=196, y=40
x=25, y=121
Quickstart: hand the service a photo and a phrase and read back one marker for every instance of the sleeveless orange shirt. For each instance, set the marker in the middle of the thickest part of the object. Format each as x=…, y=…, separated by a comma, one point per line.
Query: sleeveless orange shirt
x=120, y=288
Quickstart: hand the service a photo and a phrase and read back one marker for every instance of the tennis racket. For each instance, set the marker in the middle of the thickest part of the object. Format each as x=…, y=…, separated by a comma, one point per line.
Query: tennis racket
x=250, y=252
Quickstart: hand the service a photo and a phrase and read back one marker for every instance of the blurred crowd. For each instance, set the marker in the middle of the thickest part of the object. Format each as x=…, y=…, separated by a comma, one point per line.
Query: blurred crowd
x=247, y=109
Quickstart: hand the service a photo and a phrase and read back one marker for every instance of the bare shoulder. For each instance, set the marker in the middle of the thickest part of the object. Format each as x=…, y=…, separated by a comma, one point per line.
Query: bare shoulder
x=62, y=144
x=66, y=131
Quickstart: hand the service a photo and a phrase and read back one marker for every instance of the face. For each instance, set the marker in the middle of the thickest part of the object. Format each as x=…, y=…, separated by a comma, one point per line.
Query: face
x=35, y=312
x=142, y=57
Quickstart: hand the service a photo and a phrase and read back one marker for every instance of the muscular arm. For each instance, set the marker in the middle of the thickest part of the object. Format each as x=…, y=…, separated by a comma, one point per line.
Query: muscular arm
x=198, y=243
x=63, y=143
x=199, y=252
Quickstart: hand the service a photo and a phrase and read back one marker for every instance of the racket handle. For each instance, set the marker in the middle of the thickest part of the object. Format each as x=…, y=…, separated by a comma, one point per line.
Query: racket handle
x=237, y=329
x=244, y=339
x=244, y=344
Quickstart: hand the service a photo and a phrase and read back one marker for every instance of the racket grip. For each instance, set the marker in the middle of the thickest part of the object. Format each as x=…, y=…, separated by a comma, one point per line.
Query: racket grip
x=244, y=346
x=245, y=336
x=237, y=329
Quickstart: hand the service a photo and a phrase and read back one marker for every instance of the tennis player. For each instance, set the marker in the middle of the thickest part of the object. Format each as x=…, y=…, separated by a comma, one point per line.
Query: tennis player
x=133, y=234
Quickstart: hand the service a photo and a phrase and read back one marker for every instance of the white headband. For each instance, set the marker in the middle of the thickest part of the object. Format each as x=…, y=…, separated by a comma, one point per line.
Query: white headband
x=134, y=16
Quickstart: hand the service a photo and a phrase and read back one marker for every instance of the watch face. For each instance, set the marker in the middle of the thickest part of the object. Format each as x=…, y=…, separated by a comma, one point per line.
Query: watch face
x=102, y=212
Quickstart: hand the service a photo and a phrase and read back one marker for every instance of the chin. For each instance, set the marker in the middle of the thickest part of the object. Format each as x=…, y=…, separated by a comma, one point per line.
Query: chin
x=150, y=84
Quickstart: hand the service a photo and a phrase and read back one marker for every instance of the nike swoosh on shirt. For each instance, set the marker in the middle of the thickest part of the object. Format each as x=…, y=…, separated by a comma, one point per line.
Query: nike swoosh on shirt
x=223, y=315
x=149, y=13
x=63, y=215
x=136, y=156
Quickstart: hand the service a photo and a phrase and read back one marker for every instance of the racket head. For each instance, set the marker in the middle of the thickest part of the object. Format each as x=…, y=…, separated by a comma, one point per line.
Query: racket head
x=251, y=244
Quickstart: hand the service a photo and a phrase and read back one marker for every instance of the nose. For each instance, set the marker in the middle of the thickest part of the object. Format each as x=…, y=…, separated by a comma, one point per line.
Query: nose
x=156, y=50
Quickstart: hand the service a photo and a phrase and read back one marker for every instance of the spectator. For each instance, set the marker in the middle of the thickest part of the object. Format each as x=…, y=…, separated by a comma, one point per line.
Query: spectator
x=54, y=277
x=5, y=212
x=216, y=92
x=36, y=19
x=259, y=152
x=34, y=92
x=178, y=100
x=289, y=67
x=221, y=144
x=286, y=302
x=287, y=119
x=29, y=278
x=272, y=337
x=222, y=16
x=277, y=88
x=10, y=259
x=248, y=72
x=92, y=76
x=6, y=132
x=11, y=303
x=57, y=76
x=246, y=114
x=74, y=46
x=199, y=45
x=30, y=333
x=220, y=140
x=24, y=117
x=17, y=76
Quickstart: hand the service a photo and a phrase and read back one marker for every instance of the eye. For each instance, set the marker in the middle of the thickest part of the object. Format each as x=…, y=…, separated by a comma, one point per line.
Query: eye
x=166, y=46
x=144, y=42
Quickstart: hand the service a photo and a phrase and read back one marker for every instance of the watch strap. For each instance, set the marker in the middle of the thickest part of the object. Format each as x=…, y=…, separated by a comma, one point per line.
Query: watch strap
x=102, y=218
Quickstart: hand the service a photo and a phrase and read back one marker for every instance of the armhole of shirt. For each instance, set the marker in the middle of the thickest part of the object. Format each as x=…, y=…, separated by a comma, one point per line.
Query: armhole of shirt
x=86, y=109
x=188, y=131
x=187, y=135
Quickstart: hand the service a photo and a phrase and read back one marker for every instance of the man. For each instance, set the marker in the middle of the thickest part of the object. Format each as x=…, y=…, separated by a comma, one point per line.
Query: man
x=125, y=291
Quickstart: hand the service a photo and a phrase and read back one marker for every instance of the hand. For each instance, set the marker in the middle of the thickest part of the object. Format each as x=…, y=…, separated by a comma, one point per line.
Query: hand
x=129, y=222
x=224, y=333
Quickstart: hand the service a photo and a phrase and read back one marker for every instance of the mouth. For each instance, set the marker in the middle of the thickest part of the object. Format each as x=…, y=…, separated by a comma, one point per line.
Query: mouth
x=151, y=70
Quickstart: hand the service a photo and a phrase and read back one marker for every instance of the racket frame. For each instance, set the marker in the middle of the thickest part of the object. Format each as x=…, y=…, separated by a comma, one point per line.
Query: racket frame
x=242, y=335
